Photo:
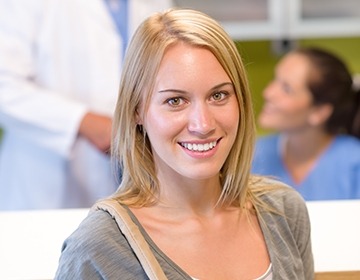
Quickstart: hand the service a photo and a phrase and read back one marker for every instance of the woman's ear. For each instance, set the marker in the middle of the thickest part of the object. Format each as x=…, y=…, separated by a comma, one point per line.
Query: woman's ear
x=138, y=118
x=320, y=114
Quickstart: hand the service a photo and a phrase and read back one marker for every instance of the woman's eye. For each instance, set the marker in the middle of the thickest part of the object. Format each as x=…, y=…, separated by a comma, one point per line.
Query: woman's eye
x=219, y=95
x=286, y=88
x=175, y=101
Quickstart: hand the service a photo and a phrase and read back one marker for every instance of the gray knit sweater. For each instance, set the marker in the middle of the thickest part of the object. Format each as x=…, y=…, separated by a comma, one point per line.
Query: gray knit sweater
x=98, y=250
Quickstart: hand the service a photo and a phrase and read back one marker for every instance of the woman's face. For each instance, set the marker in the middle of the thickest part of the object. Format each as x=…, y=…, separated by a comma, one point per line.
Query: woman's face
x=193, y=114
x=287, y=100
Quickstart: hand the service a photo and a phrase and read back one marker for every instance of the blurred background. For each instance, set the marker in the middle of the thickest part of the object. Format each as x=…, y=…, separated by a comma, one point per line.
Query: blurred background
x=265, y=29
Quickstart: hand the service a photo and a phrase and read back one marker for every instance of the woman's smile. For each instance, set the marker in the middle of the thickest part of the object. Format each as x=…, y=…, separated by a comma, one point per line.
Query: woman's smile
x=199, y=146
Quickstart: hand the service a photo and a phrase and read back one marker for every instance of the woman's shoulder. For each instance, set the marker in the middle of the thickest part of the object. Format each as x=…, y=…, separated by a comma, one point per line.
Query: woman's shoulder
x=278, y=195
x=93, y=234
x=283, y=208
x=346, y=142
x=345, y=150
x=287, y=230
x=266, y=148
x=270, y=139
x=97, y=247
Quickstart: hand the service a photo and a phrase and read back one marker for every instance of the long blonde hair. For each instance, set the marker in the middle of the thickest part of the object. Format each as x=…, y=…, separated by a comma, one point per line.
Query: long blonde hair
x=131, y=148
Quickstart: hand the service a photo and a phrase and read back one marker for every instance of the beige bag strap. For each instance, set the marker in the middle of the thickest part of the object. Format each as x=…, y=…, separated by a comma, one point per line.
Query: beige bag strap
x=135, y=238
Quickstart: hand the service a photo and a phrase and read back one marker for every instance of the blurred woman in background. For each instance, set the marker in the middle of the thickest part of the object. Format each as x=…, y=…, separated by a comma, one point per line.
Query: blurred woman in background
x=313, y=104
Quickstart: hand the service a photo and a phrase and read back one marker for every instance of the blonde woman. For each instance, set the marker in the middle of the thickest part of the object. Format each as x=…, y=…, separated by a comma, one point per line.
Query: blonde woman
x=184, y=135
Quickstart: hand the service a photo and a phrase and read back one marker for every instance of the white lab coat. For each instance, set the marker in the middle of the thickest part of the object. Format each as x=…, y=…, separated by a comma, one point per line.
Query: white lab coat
x=58, y=59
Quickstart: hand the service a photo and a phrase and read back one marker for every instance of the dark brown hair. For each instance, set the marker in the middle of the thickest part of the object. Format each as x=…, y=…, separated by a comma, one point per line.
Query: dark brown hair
x=330, y=82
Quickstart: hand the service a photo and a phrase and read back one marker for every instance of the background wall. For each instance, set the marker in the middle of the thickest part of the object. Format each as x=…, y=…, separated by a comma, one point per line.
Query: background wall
x=260, y=60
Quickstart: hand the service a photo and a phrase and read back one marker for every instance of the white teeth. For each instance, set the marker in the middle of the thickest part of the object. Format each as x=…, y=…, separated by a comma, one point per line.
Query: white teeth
x=199, y=147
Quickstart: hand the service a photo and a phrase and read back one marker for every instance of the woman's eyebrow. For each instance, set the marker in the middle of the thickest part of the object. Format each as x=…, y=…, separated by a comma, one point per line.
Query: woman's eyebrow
x=222, y=84
x=172, y=90
x=184, y=91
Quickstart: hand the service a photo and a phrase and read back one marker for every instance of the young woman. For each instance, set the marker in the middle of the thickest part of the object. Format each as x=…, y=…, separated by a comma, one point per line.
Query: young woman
x=184, y=134
x=314, y=106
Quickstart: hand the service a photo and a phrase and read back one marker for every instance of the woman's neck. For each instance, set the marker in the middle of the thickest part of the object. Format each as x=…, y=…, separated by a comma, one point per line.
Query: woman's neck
x=300, y=153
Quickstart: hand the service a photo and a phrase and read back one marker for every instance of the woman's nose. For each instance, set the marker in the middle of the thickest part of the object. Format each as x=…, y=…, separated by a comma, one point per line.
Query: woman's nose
x=269, y=90
x=201, y=119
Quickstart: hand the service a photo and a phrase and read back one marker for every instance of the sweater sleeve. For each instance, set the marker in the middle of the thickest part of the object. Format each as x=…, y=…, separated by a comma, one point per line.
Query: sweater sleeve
x=98, y=250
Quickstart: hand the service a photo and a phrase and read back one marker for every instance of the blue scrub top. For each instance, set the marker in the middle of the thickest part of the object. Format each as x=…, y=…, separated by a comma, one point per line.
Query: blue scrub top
x=335, y=176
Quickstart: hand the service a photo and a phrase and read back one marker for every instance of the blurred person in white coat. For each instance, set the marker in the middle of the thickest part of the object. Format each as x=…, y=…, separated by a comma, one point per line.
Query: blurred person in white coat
x=60, y=64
